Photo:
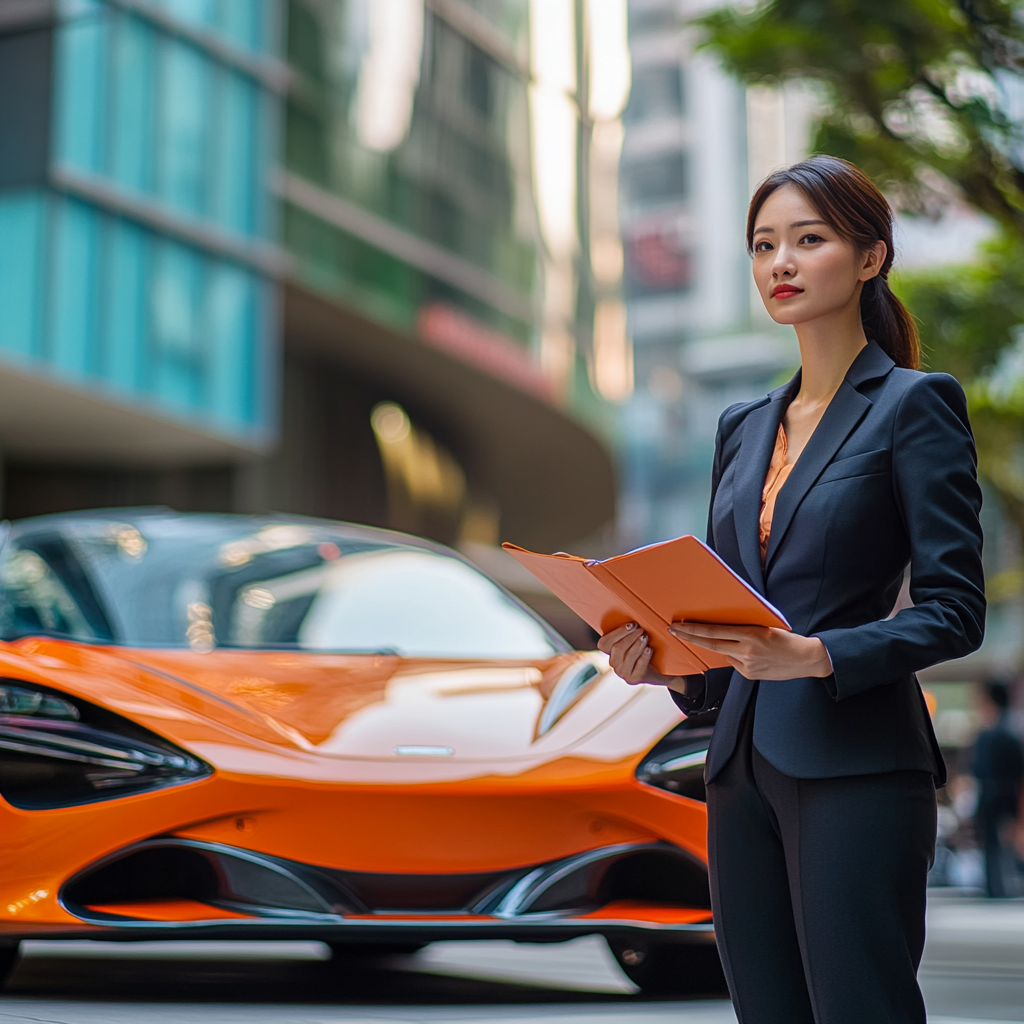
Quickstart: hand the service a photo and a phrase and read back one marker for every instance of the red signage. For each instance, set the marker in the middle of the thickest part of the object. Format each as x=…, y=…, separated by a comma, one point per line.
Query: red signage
x=656, y=261
x=450, y=330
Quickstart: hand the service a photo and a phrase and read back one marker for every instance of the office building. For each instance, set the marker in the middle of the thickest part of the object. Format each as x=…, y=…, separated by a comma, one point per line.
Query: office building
x=695, y=143
x=137, y=260
x=304, y=256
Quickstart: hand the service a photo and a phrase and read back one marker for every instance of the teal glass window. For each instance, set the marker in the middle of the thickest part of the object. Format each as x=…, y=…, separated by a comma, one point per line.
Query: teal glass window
x=247, y=24
x=114, y=304
x=235, y=153
x=72, y=300
x=131, y=121
x=244, y=22
x=21, y=236
x=81, y=52
x=161, y=117
x=177, y=298
x=197, y=12
x=184, y=127
x=126, y=307
x=111, y=305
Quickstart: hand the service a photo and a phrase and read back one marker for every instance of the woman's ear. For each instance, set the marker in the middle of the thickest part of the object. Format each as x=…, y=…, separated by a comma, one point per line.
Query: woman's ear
x=874, y=258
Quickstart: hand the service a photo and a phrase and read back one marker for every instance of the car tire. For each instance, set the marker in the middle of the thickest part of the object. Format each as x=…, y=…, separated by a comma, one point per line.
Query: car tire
x=8, y=961
x=670, y=968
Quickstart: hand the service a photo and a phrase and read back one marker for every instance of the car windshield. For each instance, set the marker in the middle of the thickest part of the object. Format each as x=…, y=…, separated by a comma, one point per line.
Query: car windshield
x=206, y=581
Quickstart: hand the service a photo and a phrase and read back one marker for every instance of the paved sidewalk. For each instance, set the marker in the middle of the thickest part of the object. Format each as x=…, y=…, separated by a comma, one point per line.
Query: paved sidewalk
x=974, y=958
x=973, y=974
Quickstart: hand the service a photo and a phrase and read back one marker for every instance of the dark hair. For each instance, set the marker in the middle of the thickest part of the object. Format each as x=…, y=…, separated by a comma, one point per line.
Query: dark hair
x=849, y=201
x=998, y=692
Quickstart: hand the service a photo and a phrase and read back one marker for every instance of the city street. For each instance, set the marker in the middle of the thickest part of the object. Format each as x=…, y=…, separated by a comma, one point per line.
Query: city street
x=390, y=390
x=974, y=971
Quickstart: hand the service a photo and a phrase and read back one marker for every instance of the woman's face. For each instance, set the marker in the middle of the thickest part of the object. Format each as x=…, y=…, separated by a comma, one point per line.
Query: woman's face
x=803, y=269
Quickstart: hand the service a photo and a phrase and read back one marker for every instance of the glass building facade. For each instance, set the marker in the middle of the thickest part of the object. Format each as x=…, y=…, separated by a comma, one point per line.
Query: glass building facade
x=238, y=236
x=434, y=199
x=422, y=128
x=136, y=257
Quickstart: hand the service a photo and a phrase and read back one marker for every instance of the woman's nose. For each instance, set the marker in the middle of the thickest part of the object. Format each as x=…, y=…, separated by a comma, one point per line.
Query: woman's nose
x=783, y=264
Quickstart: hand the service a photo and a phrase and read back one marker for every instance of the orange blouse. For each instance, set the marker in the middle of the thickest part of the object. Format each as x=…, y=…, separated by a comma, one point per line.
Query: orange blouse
x=778, y=474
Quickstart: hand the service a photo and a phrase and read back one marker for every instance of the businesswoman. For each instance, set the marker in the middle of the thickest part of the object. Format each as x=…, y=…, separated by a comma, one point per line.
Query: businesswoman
x=823, y=764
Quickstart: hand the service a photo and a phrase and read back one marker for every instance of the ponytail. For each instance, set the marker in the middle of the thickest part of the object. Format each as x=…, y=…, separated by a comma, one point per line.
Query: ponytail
x=888, y=322
x=849, y=201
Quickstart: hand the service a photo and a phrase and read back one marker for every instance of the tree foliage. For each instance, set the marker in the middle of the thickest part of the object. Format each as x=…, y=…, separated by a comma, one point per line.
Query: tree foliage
x=972, y=324
x=914, y=90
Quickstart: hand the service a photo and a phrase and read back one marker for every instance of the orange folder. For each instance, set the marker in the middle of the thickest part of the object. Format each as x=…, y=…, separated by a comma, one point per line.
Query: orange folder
x=679, y=580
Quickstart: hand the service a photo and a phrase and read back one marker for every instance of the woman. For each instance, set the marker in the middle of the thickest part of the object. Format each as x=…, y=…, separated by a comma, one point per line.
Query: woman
x=823, y=764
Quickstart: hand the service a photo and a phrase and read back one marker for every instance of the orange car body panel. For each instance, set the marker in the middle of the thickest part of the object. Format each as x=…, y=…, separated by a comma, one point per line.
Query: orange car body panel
x=305, y=767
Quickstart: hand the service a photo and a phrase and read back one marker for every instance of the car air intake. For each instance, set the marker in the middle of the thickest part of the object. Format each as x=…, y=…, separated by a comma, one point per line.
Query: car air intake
x=168, y=870
x=647, y=872
x=165, y=871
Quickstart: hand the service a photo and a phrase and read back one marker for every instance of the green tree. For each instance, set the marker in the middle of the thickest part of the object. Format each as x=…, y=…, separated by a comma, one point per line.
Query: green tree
x=921, y=94
x=914, y=91
x=972, y=323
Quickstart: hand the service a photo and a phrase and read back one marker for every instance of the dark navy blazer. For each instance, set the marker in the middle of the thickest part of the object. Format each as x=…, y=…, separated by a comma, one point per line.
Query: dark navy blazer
x=887, y=479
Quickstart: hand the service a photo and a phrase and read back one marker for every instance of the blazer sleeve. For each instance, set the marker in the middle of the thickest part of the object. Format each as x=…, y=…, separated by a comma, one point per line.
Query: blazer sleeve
x=936, y=487
x=709, y=696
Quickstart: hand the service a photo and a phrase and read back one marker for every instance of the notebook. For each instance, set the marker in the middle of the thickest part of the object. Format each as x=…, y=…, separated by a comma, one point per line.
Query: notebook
x=679, y=580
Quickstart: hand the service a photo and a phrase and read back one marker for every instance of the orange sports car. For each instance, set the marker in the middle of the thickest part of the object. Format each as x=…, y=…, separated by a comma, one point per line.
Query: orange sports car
x=217, y=726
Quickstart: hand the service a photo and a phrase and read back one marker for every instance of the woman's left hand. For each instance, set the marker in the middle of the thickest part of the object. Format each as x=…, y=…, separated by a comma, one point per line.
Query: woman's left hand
x=760, y=652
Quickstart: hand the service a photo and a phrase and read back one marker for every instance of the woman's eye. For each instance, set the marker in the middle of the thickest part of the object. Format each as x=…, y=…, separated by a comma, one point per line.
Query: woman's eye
x=763, y=246
x=811, y=239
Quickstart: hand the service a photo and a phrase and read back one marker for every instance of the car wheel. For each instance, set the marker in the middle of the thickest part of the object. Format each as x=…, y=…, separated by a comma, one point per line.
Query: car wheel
x=670, y=968
x=370, y=950
x=8, y=959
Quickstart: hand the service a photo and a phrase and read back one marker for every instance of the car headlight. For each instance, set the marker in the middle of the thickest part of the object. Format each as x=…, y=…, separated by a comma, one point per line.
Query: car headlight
x=676, y=764
x=59, y=751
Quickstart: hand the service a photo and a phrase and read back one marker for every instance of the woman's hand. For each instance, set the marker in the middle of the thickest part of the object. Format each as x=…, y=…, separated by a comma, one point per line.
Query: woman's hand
x=759, y=652
x=629, y=652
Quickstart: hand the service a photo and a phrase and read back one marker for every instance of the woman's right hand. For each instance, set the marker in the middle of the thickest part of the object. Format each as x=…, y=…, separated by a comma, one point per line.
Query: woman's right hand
x=629, y=652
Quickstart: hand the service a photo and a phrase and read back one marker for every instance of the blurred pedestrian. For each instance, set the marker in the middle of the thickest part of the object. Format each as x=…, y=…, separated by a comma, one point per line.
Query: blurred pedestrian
x=998, y=765
x=822, y=770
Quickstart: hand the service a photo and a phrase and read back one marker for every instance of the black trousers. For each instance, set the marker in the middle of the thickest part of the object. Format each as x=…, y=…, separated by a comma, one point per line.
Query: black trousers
x=818, y=889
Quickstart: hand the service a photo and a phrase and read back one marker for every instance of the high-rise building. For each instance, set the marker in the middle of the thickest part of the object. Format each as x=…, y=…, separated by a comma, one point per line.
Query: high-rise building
x=137, y=254
x=324, y=256
x=695, y=144
x=425, y=264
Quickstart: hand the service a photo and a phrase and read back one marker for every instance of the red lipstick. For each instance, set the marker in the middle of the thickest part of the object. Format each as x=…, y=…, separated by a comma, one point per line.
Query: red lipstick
x=785, y=291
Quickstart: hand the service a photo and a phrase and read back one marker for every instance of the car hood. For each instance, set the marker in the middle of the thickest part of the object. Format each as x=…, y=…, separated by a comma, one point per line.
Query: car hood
x=386, y=707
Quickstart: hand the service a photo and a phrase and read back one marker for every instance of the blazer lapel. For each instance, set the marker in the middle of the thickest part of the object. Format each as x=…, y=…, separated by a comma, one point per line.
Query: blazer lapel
x=841, y=417
x=844, y=412
x=760, y=428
